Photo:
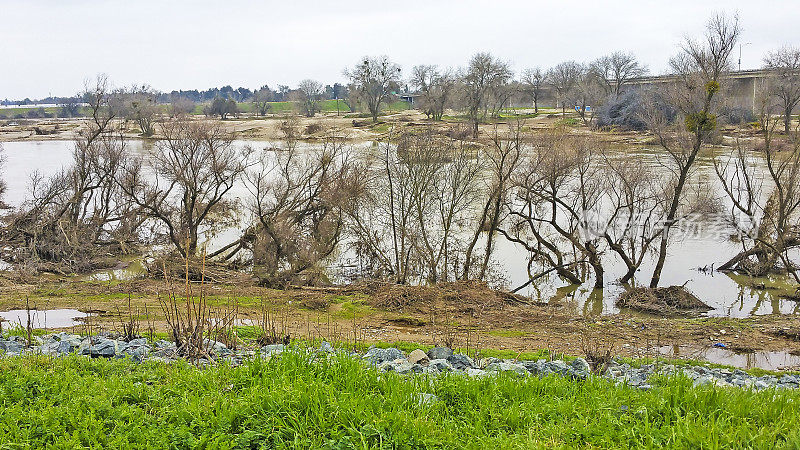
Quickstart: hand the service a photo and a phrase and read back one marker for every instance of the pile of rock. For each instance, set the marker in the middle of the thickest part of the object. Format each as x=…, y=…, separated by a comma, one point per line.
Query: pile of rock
x=437, y=360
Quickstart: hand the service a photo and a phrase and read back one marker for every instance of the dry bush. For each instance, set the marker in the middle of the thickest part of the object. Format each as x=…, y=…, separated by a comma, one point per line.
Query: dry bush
x=468, y=297
x=129, y=323
x=193, y=324
x=597, y=351
x=272, y=325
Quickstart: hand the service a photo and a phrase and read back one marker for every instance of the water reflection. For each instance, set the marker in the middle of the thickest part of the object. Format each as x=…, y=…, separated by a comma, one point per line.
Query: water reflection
x=762, y=360
x=50, y=318
x=728, y=295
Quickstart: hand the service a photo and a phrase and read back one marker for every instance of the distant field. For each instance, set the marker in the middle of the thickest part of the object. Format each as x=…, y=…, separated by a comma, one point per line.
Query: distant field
x=10, y=113
x=245, y=107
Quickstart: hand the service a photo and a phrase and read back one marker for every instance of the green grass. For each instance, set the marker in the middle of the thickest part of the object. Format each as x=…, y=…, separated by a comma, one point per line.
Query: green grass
x=289, y=402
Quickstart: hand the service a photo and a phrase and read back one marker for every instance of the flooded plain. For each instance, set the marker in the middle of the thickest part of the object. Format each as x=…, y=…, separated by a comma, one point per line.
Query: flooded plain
x=728, y=295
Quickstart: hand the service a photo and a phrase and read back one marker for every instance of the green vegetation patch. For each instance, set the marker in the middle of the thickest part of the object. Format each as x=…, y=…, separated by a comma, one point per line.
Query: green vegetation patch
x=292, y=402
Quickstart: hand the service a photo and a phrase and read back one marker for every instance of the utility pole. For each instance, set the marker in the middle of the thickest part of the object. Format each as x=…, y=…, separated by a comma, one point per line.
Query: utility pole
x=740, y=54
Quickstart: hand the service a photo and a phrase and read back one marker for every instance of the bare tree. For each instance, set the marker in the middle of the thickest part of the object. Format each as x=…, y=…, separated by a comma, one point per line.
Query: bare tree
x=533, y=81
x=417, y=206
x=75, y=218
x=765, y=204
x=262, y=100
x=435, y=87
x=484, y=75
x=634, y=201
x=616, y=70
x=502, y=159
x=298, y=201
x=588, y=96
x=191, y=172
x=308, y=95
x=699, y=70
x=556, y=194
x=785, y=80
x=564, y=78
x=140, y=105
x=373, y=82
x=180, y=106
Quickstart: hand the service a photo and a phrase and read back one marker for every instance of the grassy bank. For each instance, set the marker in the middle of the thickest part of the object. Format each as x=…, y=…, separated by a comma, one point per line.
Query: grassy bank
x=290, y=402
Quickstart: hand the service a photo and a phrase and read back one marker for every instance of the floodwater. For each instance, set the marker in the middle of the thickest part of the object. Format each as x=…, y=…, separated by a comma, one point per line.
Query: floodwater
x=762, y=360
x=50, y=318
x=728, y=295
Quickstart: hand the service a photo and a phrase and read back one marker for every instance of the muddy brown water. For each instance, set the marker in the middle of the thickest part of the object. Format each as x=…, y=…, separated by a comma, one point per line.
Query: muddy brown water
x=728, y=296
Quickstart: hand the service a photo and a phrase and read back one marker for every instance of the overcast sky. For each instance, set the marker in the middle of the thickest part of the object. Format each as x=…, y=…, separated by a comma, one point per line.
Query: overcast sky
x=52, y=46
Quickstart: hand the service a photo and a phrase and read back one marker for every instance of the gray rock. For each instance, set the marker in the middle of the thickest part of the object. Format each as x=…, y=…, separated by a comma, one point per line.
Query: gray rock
x=534, y=367
x=703, y=381
x=441, y=365
x=379, y=355
x=161, y=344
x=761, y=384
x=325, y=347
x=102, y=347
x=218, y=348
x=11, y=346
x=557, y=366
x=519, y=369
x=404, y=367
x=460, y=362
x=580, y=365
x=440, y=353
x=486, y=362
x=138, y=352
x=66, y=347
x=137, y=342
x=417, y=357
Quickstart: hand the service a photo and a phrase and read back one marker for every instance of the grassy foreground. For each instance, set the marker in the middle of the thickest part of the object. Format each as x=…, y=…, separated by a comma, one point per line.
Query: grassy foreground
x=292, y=402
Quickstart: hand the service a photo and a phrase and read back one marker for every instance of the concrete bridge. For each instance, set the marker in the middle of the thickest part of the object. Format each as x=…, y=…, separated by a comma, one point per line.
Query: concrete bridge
x=742, y=85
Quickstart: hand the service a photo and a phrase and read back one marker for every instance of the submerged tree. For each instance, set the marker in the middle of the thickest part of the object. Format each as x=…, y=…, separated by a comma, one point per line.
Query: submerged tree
x=297, y=202
x=502, y=160
x=699, y=71
x=555, y=195
x=417, y=206
x=195, y=167
x=765, y=204
x=75, y=218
